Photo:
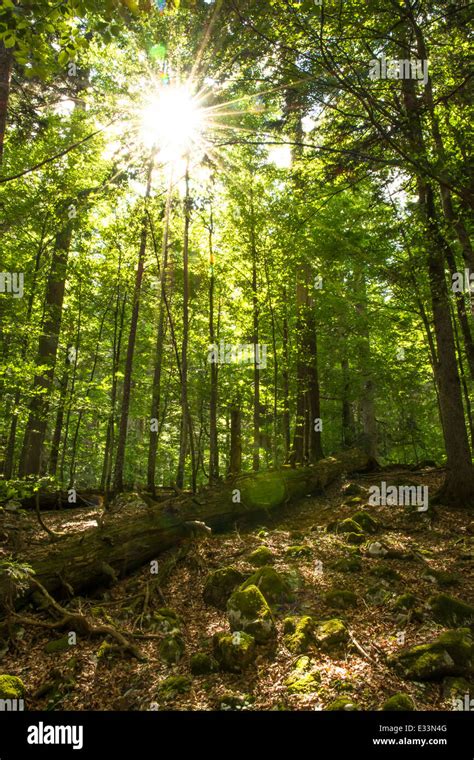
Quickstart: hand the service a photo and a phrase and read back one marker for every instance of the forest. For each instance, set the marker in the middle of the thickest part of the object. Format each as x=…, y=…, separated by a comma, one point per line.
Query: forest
x=237, y=355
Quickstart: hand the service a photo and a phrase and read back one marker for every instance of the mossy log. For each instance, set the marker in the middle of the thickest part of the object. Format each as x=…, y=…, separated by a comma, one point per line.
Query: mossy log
x=95, y=555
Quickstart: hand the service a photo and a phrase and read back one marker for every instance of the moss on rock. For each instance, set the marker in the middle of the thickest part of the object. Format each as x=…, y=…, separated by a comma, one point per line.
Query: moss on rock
x=261, y=556
x=399, y=703
x=202, y=664
x=330, y=635
x=173, y=686
x=234, y=652
x=165, y=620
x=451, y=654
x=348, y=526
x=298, y=552
x=220, y=584
x=248, y=610
x=298, y=633
x=405, y=602
x=447, y=610
x=11, y=687
x=382, y=570
x=340, y=599
x=442, y=578
x=58, y=645
x=172, y=649
x=274, y=586
x=365, y=521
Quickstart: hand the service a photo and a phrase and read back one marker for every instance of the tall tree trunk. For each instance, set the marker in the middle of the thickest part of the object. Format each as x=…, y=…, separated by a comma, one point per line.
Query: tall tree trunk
x=367, y=402
x=160, y=335
x=185, y=427
x=255, y=336
x=348, y=423
x=31, y=458
x=132, y=336
x=286, y=384
x=235, y=463
x=213, y=439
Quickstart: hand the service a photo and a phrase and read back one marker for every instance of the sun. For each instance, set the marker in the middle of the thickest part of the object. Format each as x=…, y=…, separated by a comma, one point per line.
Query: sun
x=172, y=122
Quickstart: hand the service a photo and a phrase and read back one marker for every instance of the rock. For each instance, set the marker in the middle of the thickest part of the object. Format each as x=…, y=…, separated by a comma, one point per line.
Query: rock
x=298, y=633
x=340, y=599
x=347, y=526
x=298, y=552
x=234, y=652
x=455, y=687
x=219, y=586
x=405, y=602
x=376, y=549
x=202, y=664
x=58, y=645
x=378, y=594
x=399, y=703
x=304, y=679
x=330, y=635
x=447, y=610
x=11, y=687
x=354, y=489
x=172, y=649
x=274, y=586
x=261, y=556
x=451, y=654
x=384, y=571
x=343, y=703
x=365, y=521
x=248, y=611
x=173, y=686
x=348, y=565
x=165, y=620
x=442, y=578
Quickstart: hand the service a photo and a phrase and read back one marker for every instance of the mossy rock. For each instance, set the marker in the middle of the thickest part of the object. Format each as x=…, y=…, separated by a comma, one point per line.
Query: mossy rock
x=405, y=602
x=219, y=585
x=447, y=610
x=348, y=565
x=274, y=586
x=173, y=686
x=451, y=654
x=58, y=645
x=172, y=649
x=248, y=610
x=298, y=552
x=343, y=703
x=354, y=489
x=11, y=687
x=298, y=633
x=366, y=521
x=348, y=526
x=456, y=687
x=261, y=556
x=399, y=703
x=385, y=571
x=106, y=651
x=353, y=501
x=202, y=664
x=340, y=599
x=378, y=594
x=304, y=679
x=165, y=620
x=331, y=635
x=234, y=652
x=442, y=578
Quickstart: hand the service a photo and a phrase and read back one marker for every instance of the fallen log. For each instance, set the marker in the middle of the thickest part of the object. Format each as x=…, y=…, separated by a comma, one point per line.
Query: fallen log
x=100, y=554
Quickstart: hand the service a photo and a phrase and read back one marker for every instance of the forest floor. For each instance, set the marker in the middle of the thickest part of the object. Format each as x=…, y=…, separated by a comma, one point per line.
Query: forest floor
x=89, y=679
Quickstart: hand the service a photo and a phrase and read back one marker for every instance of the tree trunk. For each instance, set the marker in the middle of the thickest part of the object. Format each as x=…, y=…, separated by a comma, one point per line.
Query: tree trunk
x=185, y=427
x=213, y=439
x=6, y=61
x=235, y=463
x=132, y=537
